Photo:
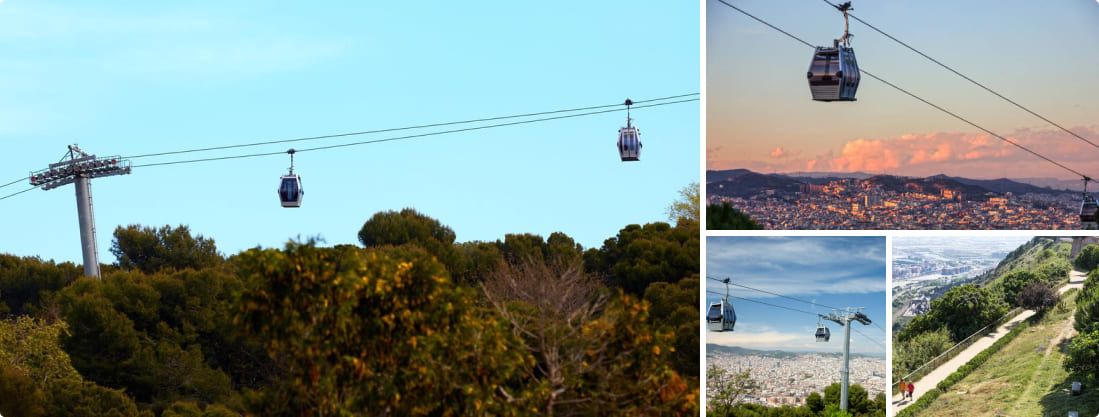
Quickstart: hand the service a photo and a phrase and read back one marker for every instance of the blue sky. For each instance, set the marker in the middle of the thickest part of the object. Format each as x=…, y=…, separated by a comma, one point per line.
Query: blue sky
x=136, y=77
x=835, y=271
x=1040, y=54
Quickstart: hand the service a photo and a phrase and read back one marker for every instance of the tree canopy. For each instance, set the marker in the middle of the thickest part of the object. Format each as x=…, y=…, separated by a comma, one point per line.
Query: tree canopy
x=151, y=250
x=725, y=217
x=410, y=324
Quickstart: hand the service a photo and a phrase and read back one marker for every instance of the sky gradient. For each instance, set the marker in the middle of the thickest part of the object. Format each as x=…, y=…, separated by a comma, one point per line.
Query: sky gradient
x=834, y=271
x=1043, y=55
x=130, y=78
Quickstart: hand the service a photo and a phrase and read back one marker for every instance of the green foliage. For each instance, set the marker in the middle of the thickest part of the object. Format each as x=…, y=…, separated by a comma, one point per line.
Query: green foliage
x=161, y=337
x=362, y=331
x=815, y=403
x=962, y=310
x=476, y=261
x=675, y=310
x=526, y=247
x=859, y=402
x=1083, y=355
x=31, y=346
x=921, y=404
x=1014, y=282
x=74, y=398
x=400, y=328
x=1088, y=258
x=1083, y=351
x=833, y=410
x=979, y=359
x=729, y=388
x=151, y=250
x=37, y=372
x=410, y=227
x=642, y=255
x=725, y=217
x=26, y=283
x=726, y=389
x=1087, y=306
x=1055, y=270
x=19, y=394
x=687, y=206
x=918, y=350
x=190, y=409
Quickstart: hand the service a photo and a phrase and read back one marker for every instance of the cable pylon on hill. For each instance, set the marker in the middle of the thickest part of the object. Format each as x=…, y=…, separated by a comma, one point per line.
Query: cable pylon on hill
x=845, y=318
x=78, y=168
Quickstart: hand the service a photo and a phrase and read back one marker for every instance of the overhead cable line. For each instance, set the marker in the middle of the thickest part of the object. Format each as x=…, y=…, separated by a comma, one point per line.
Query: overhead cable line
x=875, y=324
x=766, y=303
x=396, y=129
x=967, y=78
x=790, y=309
x=871, y=339
x=14, y=182
x=420, y=135
x=16, y=193
x=775, y=294
x=955, y=115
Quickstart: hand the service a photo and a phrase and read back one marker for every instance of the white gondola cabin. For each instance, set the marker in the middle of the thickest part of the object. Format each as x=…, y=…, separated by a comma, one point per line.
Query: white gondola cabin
x=834, y=72
x=823, y=334
x=290, y=190
x=629, y=138
x=721, y=317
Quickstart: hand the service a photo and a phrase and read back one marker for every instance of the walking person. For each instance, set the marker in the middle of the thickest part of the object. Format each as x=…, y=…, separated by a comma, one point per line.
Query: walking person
x=903, y=388
x=911, y=388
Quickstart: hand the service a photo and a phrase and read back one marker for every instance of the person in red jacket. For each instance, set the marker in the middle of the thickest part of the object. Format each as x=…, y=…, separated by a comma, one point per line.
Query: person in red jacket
x=911, y=388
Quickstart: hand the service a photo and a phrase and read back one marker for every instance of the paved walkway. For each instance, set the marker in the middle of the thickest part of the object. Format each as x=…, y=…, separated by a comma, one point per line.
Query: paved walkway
x=1076, y=280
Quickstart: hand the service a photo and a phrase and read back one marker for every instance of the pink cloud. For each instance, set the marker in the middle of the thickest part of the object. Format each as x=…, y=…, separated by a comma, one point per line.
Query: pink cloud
x=977, y=155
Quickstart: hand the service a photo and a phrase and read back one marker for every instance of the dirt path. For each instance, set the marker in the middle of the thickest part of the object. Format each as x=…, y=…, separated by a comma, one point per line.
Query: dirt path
x=939, y=374
x=1067, y=331
x=1076, y=280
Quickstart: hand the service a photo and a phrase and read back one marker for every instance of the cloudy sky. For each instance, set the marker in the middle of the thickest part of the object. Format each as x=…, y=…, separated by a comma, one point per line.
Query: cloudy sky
x=832, y=271
x=127, y=78
x=760, y=116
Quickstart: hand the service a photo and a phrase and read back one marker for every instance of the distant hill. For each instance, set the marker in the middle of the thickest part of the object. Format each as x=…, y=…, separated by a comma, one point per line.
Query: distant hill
x=778, y=354
x=1024, y=257
x=1002, y=185
x=745, y=183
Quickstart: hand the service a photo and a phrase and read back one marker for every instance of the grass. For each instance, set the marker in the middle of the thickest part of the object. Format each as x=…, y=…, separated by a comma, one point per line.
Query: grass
x=1025, y=378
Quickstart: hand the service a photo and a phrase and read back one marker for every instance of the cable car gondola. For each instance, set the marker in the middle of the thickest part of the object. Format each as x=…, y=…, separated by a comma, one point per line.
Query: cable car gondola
x=1088, y=209
x=290, y=189
x=629, y=138
x=721, y=317
x=823, y=334
x=834, y=72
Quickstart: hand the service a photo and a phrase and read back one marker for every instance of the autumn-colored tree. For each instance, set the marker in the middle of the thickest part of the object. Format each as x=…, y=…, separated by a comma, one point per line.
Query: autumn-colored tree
x=381, y=331
x=37, y=378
